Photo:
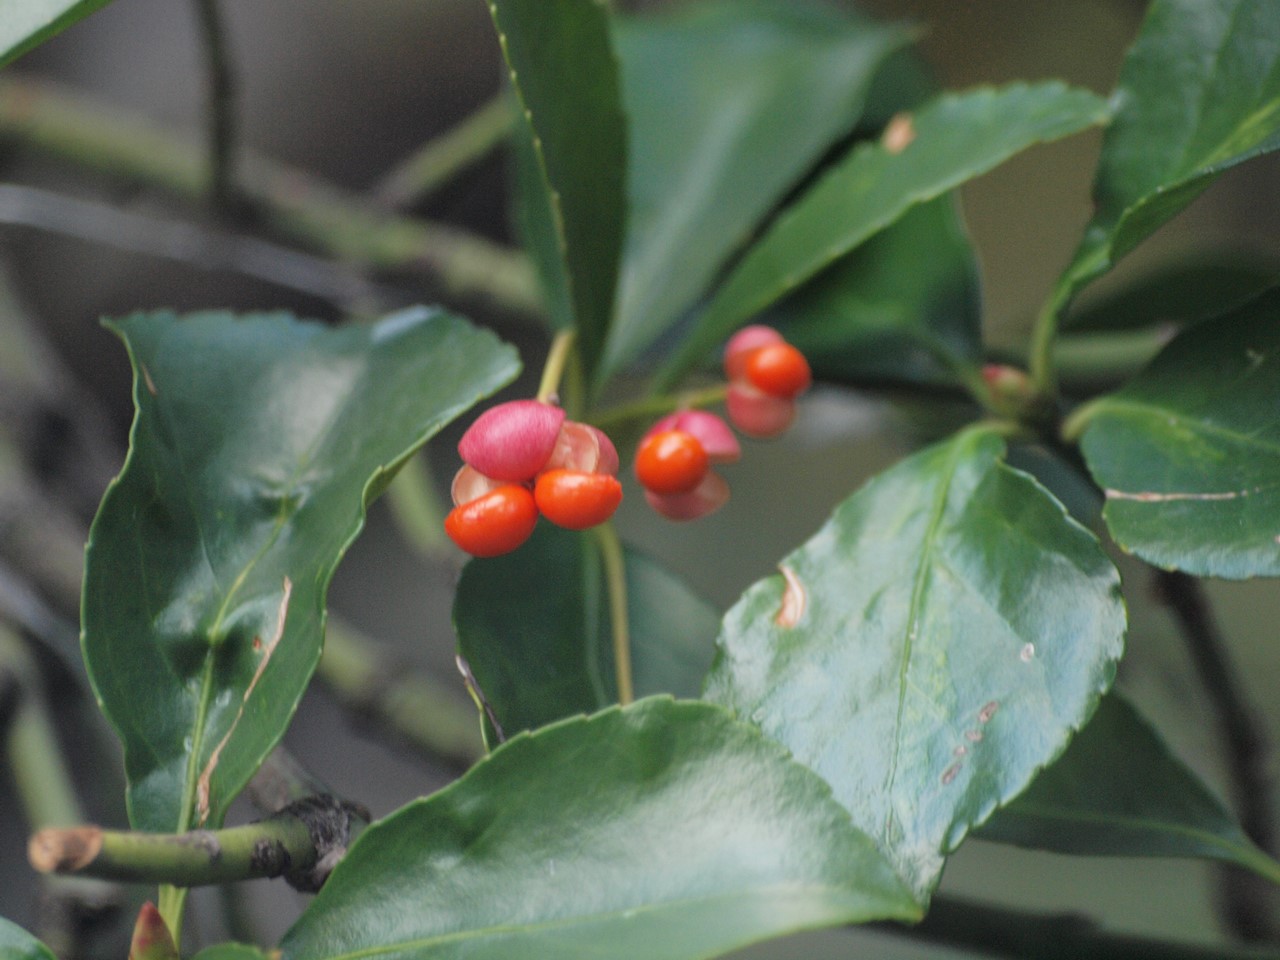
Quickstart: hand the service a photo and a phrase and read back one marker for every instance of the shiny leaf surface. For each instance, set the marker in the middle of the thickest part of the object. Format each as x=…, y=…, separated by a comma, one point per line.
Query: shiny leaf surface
x=565, y=76
x=1119, y=792
x=661, y=831
x=17, y=944
x=1199, y=92
x=904, y=306
x=949, y=140
x=930, y=648
x=730, y=103
x=1189, y=451
x=551, y=655
x=256, y=446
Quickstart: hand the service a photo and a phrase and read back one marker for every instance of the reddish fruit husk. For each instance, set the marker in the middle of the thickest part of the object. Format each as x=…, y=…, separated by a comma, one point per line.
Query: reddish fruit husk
x=494, y=524
x=756, y=413
x=513, y=440
x=743, y=343
x=577, y=500
x=707, y=497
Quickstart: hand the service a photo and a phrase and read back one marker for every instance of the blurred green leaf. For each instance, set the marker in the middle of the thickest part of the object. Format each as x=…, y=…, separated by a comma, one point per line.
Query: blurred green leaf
x=1199, y=92
x=17, y=944
x=730, y=103
x=660, y=831
x=25, y=24
x=231, y=951
x=1189, y=451
x=565, y=77
x=903, y=306
x=1180, y=293
x=950, y=140
x=930, y=648
x=551, y=654
x=257, y=445
x=1119, y=792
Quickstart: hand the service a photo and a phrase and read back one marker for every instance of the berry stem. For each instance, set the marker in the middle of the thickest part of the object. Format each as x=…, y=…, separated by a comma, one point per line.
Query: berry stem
x=656, y=406
x=553, y=371
x=615, y=578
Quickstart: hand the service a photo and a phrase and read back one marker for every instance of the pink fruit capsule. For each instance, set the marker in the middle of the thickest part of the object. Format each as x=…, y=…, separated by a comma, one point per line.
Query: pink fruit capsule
x=582, y=448
x=513, y=440
x=707, y=497
x=742, y=343
x=470, y=484
x=712, y=432
x=756, y=413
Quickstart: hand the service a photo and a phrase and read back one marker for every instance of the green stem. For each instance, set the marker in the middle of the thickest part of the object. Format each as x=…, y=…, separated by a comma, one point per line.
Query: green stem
x=554, y=369
x=441, y=159
x=221, y=104
x=416, y=507
x=615, y=578
x=341, y=224
x=658, y=405
x=269, y=848
x=420, y=712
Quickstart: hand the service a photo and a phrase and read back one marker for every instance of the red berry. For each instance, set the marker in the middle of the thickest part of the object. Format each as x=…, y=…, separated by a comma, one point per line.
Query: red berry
x=757, y=414
x=513, y=440
x=742, y=343
x=671, y=461
x=495, y=523
x=779, y=370
x=577, y=500
x=708, y=429
x=707, y=497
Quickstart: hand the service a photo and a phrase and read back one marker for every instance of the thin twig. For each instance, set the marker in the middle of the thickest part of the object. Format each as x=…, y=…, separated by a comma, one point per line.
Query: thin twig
x=1246, y=902
x=347, y=227
x=443, y=158
x=220, y=106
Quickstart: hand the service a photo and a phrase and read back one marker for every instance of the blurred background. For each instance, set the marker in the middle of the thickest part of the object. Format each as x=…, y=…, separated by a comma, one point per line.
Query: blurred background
x=345, y=91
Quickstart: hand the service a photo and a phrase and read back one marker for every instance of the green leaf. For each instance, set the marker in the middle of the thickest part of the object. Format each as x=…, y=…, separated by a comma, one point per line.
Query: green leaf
x=25, y=24
x=1180, y=293
x=1199, y=92
x=931, y=647
x=904, y=306
x=231, y=951
x=566, y=79
x=551, y=654
x=661, y=831
x=17, y=944
x=1188, y=452
x=257, y=445
x=730, y=104
x=1119, y=792
x=954, y=138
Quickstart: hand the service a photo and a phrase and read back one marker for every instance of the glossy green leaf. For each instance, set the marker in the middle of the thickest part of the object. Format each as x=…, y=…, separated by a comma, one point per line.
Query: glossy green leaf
x=930, y=648
x=256, y=446
x=903, y=306
x=1188, y=452
x=551, y=654
x=25, y=24
x=730, y=104
x=952, y=139
x=565, y=77
x=17, y=944
x=1119, y=792
x=1199, y=92
x=661, y=831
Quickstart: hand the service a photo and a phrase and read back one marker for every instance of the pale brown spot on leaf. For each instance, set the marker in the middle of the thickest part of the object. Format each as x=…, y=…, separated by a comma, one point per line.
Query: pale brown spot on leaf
x=1151, y=496
x=987, y=712
x=899, y=133
x=793, y=599
x=146, y=379
x=202, y=785
x=950, y=773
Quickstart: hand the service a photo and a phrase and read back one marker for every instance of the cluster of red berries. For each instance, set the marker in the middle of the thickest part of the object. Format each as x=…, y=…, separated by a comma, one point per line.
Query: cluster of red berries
x=524, y=459
x=673, y=462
